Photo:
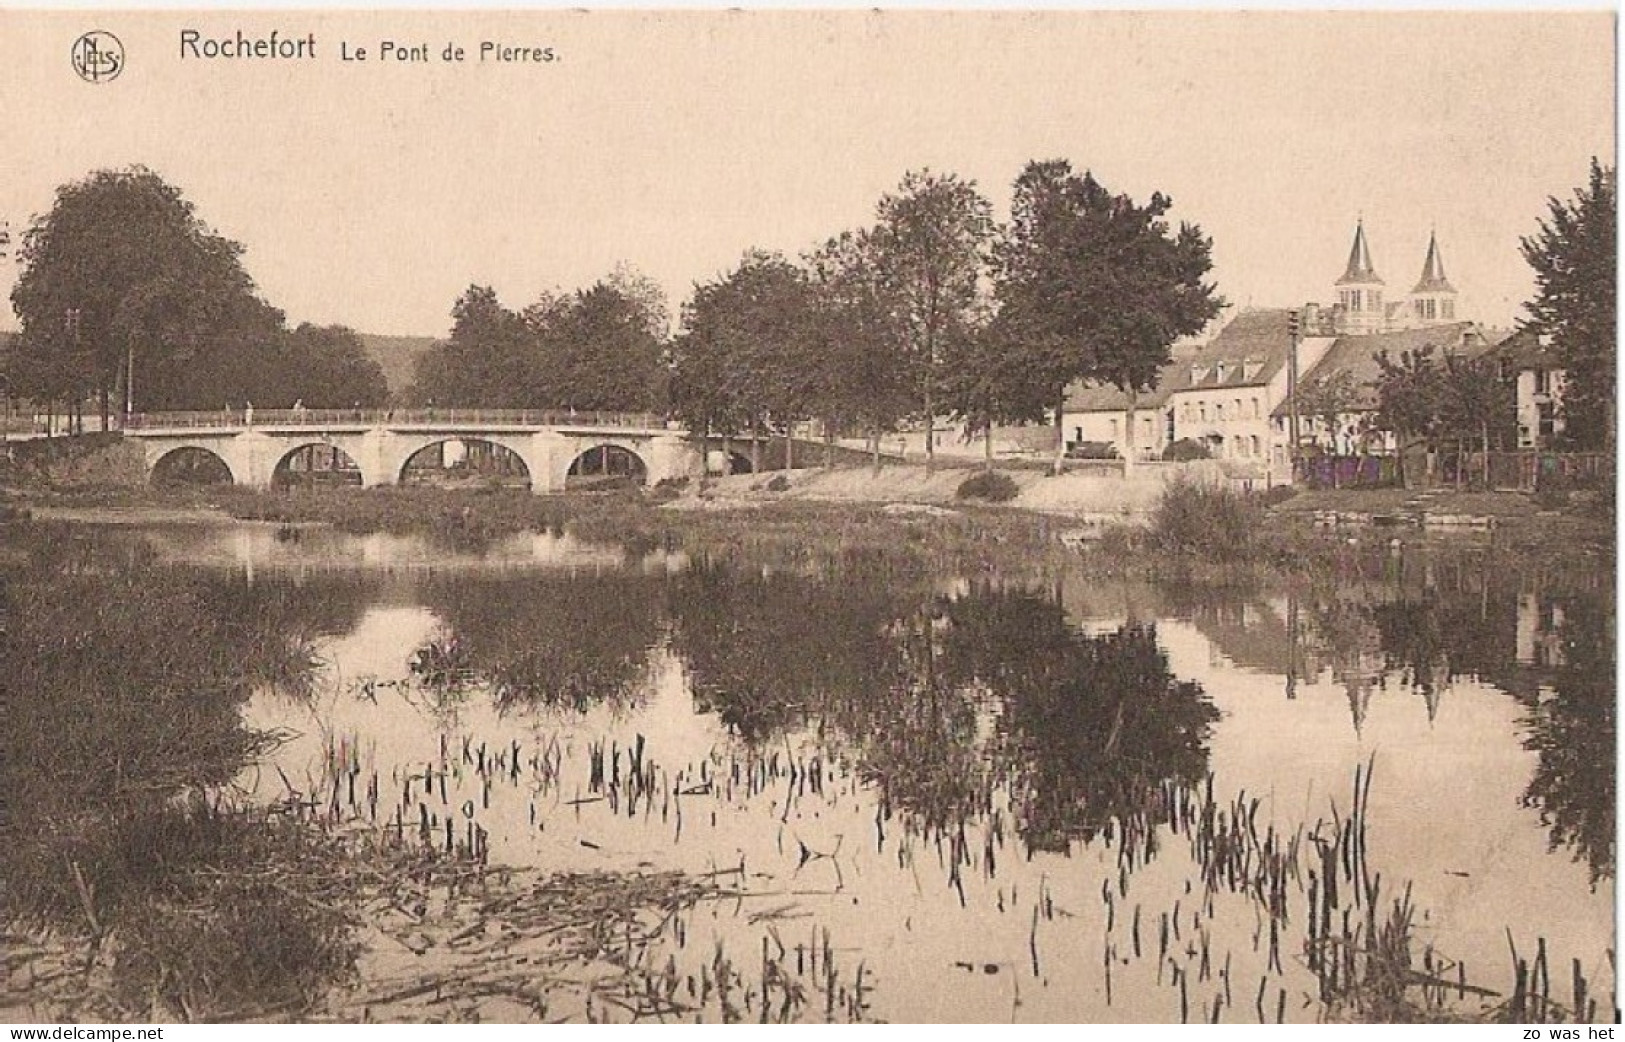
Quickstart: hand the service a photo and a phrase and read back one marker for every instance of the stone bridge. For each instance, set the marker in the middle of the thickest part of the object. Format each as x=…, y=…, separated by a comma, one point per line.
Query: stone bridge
x=255, y=445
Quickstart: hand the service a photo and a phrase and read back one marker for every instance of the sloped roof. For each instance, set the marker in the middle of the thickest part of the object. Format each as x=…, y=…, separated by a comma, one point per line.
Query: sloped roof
x=1253, y=348
x=1433, y=280
x=1106, y=398
x=1360, y=269
x=1357, y=355
x=1523, y=350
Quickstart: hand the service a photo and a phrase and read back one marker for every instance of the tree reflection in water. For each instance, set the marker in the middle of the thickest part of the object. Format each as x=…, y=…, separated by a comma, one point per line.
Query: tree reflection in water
x=771, y=651
x=557, y=641
x=1088, y=728
x=943, y=699
x=1572, y=728
x=1544, y=634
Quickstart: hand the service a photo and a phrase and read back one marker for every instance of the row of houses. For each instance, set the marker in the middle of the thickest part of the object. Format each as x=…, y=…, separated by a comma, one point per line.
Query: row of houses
x=1231, y=394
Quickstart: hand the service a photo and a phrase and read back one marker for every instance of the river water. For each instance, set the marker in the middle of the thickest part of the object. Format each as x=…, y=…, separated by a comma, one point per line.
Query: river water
x=1040, y=801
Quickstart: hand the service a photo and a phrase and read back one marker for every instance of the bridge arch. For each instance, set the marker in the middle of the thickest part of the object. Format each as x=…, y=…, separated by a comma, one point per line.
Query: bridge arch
x=605, y=461
x=315, y=462
x=190, y=465
x=457, y=459
x=732, y=462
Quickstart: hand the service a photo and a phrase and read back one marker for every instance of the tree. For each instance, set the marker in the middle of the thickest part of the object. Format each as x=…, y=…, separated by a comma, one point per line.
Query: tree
x=122, y=271
x=1574, y=258
x=1410, y=401
x=1478, y=406
x=1330, y=400
x=932, y=244
x=862, y=381
x=743, y=361
x=1092, y=286
x=325, y=367
x=598, y=350
x=987, y=383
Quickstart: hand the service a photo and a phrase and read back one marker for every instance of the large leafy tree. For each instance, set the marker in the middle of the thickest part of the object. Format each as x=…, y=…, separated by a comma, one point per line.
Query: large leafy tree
x=745, y=360
x=1575, y=260
x=1411, y=397
x=989, y=382
x=599, y=351
x=486, y=361
x=1093, y=286
x=123, y=270
x=932, y=241
x=599, y=348
x=861, y=382
x=325, y=367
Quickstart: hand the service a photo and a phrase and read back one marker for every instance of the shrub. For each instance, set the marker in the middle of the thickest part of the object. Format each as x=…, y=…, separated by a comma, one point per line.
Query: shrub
x=989, y=485
x=1211, y=520
x=1276, y=495
x=779, y=483
x=1186, y=449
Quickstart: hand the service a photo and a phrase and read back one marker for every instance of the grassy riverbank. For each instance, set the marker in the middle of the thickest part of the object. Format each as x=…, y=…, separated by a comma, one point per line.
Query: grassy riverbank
x=906, y=514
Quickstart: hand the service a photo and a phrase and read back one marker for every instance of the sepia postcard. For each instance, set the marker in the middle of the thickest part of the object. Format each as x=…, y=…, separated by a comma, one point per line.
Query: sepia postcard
x=808, y=516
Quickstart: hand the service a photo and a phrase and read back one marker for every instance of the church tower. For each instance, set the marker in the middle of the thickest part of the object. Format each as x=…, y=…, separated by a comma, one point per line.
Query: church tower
x=1433, y=301
x=1359, y=291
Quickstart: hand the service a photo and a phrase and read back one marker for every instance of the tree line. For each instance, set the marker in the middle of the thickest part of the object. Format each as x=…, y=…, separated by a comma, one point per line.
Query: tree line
x=933, y=310
x=936, y=310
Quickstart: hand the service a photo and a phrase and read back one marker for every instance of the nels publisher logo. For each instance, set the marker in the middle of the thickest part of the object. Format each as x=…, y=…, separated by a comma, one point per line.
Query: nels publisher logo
x=98, y=57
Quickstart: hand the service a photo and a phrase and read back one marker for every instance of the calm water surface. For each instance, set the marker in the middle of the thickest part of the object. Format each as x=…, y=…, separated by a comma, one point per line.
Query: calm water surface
x=989, y=795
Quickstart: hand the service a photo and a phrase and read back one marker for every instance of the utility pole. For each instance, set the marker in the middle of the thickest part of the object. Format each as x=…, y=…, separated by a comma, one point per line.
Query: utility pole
x=71, y=321
x=1294, y=329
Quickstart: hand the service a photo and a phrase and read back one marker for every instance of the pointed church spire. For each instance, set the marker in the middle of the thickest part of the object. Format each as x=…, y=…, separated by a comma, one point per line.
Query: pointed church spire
x=1360, y=269
x=1433, y=280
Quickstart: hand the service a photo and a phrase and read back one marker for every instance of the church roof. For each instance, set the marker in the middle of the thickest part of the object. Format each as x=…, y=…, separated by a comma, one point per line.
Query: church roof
x=1360, y=270
x=1433, y=280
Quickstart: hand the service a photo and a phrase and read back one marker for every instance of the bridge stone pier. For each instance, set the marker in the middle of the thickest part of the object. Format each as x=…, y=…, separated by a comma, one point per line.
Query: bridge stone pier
x=380, y=444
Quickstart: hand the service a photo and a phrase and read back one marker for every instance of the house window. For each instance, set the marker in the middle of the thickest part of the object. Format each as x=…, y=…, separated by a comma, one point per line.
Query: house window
x=1238, y=413
x=1548, y=420
x=1201, y=409
x=1447, y=309
x=1218, y=411
x=1255, y=445
x=1114, y=430
x=1255, y=408
x=1543, y=381
x=1077, y=434
x=1354, y=300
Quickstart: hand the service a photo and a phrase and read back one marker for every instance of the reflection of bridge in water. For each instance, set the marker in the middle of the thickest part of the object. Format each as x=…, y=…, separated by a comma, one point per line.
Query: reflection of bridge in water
x=377, y=446
x=297, y=552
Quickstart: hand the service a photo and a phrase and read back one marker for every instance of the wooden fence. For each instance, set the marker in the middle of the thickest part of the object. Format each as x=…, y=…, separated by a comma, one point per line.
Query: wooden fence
x=1524, y=471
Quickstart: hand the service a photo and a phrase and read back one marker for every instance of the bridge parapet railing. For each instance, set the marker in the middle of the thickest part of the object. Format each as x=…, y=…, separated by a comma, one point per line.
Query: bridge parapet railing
x=238, y=419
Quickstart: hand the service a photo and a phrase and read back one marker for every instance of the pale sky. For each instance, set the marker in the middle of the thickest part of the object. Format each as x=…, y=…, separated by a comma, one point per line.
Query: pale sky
x=372, y=194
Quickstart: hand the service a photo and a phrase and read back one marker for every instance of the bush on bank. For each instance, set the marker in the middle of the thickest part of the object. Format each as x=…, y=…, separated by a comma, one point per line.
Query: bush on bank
x=990, y=486
x=1212, y=521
